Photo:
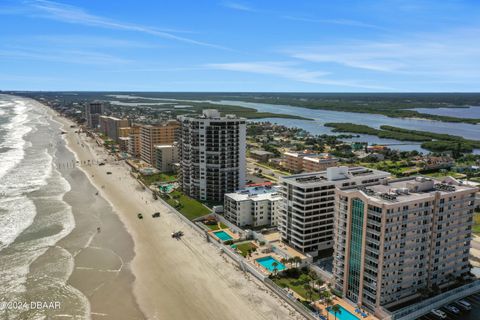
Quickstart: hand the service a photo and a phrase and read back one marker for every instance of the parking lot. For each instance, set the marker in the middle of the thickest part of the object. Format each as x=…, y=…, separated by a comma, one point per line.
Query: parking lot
x=474, y=314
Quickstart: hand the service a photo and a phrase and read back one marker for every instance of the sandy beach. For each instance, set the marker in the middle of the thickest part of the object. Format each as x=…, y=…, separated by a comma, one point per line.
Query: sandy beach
x=186, y=279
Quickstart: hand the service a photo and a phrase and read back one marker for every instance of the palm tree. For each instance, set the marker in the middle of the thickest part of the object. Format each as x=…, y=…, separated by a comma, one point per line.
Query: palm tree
x=328, y=302
x=336, y=309
x=313, y=278
x=284, y=261
x=297, y=260
x=275, y=265
x=319, y=283
x=309, y=290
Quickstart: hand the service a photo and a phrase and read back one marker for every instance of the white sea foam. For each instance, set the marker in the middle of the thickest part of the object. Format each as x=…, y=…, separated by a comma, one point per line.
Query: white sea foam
x=28, y=179
x=13, y=140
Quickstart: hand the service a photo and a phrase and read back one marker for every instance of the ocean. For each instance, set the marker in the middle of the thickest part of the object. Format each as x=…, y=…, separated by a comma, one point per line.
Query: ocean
x=34, y=217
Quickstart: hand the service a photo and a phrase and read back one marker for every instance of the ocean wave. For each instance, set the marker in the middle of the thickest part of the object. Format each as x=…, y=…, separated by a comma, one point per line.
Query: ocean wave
x=16, y=128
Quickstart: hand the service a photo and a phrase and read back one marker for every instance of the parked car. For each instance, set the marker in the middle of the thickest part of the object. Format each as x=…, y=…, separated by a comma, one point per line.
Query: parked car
x=439, y=313
x=464, y=305
x=452, y=309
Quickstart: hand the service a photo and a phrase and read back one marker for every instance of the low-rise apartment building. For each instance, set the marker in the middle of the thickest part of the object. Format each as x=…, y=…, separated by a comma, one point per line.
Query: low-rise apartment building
x=297, y=162
x=253, y=206
x=399, y=238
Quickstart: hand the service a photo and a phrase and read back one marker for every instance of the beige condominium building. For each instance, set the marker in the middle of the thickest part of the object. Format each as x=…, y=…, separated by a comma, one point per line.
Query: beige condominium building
x=212, y=155
x=398, y=238
x=152, y=135
x=166, y=155
x=133, y=147
x=111, y=126
x=307, y=162
x=307, y=213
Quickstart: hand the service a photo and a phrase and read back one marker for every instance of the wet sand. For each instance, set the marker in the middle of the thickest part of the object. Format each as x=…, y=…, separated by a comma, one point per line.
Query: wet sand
x=101, y=259
x=187, y=279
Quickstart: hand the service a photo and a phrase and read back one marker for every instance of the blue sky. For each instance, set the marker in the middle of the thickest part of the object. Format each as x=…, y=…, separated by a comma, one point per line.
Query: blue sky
x=268, y=45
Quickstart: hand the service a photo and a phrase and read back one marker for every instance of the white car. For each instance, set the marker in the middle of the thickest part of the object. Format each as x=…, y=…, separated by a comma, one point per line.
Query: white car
x=439, y=313
x=464, y=304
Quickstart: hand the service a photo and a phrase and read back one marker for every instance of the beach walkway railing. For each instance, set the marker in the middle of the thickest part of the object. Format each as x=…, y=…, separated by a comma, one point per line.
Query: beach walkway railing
x=246, y=267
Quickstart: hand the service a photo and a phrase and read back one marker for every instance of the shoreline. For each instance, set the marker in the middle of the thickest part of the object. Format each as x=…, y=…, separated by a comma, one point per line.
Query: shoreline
x=99, y=265
x=193, y=274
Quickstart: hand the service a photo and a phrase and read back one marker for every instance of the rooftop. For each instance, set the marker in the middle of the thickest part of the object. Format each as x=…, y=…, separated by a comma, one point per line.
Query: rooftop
x=210, y=114
x=334, y=174
x=412, y=188
x=261, y=152
x=256, y=193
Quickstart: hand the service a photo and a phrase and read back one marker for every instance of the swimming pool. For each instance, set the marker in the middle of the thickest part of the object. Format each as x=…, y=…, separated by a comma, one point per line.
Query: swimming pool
x=344, y=314
x=267, y=263
x=222, y=235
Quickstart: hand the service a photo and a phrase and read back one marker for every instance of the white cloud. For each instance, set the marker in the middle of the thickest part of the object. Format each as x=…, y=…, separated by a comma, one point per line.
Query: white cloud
x=65, y=56
x=237, y=6
x=71, y=14
x=288, y=70
x=343, y=22
x=454, y=54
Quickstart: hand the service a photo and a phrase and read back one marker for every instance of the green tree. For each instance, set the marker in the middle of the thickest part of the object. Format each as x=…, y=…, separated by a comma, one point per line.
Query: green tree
x=275, y=266
x=336, y=309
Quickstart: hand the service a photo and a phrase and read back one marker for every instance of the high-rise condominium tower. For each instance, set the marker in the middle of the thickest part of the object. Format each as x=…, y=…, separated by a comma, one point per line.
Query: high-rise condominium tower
x=212, y=155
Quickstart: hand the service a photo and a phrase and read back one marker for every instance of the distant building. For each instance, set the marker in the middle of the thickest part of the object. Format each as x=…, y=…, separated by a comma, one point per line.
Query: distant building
x=307, y=212
x=253, y=206
x=212, y=155
x=435, y=163
x=376, y=148
x=166, y=155
x=152, y=135
x=124, y=131
x=123, y=143
x=398, y=238
x=111, y=126
x=134, y=142
x=93, y=111
x=318, y=162
x=297, y=162
x=261, y=155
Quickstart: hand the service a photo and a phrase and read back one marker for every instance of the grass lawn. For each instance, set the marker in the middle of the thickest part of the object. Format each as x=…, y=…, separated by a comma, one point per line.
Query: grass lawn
x=244, y=247
x=476, y=224
x=440, y=174
x=215, y=226
x=190, y=208
x=158, y=177
x=296, y=286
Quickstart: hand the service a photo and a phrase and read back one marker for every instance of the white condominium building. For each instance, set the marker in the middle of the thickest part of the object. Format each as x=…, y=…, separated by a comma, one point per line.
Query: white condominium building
x=212, y=155
x=307, y=212
x=253, y=206
x=398, y=239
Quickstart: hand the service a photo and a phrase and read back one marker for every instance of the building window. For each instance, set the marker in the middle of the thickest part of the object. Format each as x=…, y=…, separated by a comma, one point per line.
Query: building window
x=355, y=249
